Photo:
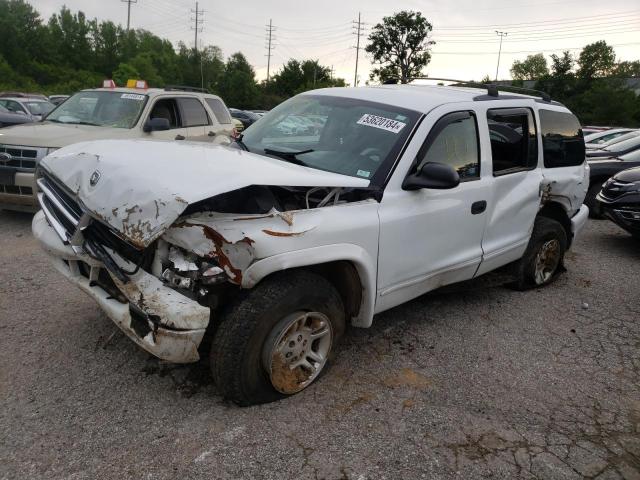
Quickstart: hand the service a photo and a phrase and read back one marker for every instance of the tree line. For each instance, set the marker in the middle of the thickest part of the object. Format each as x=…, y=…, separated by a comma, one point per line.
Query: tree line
x=70, y=52
x=593, y=84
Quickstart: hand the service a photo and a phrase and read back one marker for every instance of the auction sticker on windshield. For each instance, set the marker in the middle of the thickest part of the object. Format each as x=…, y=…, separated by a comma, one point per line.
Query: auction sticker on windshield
x=382, y=123
x=132, y=96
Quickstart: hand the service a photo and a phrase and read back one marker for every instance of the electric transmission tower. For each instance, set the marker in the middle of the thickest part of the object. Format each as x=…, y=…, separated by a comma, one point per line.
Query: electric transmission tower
x=270, y=46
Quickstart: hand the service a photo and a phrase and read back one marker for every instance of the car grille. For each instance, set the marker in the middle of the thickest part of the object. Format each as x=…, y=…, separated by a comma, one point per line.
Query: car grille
x=23, y=158
x=74, y=225
x=16, y=190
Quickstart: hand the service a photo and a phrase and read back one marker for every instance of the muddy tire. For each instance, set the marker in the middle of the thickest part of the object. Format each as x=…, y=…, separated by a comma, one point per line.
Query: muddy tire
x=544, y=258
x=591, y=202
x=275, y=340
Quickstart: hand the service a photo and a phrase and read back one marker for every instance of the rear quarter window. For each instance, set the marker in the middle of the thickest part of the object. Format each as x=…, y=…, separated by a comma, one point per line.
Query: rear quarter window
x=194, y=114
x=219, y=110
x=562, y=139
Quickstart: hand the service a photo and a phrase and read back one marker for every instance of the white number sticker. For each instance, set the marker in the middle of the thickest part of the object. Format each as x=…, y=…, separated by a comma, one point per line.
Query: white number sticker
x=382, y=123
x=132, y=96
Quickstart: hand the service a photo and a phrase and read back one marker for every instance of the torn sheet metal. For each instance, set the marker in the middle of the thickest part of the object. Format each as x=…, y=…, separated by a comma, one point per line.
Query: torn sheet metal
x=142, y=187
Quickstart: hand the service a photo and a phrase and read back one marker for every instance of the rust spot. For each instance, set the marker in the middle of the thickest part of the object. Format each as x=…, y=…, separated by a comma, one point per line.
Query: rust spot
x=287, y=217
x=284, y=378
x=257, y=217
x=223, y=260
x=284, y=234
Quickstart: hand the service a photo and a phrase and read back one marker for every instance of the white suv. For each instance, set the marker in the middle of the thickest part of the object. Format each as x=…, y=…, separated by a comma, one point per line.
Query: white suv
x=270, y=247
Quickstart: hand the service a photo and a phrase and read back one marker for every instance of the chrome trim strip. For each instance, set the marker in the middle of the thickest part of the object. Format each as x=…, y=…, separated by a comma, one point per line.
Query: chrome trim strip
x=57, y=226
x=56, y=201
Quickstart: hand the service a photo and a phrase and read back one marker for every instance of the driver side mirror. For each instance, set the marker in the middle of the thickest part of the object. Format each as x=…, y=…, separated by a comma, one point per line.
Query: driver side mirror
x=156, y=125
x=434, y=175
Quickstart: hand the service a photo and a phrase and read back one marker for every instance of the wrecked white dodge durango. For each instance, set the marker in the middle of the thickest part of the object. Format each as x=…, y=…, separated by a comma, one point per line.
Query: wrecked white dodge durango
x=264, y=251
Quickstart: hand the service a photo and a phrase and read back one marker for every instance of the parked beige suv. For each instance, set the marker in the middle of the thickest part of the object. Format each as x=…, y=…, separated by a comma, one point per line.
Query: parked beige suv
x=175, y=113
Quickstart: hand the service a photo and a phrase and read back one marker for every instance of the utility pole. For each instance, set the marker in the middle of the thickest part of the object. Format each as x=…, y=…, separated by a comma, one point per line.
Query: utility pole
x=129, y=2
x=270, y=46
x=501, y=35
x=197, y=26
x=358, y=32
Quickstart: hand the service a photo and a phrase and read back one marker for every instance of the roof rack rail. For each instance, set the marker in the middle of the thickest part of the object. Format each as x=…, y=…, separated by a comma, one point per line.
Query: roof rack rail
x=182, y=88
x=493, y=90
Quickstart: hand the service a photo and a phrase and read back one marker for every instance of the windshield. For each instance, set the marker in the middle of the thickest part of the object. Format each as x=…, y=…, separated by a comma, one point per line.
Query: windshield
x=336, y=134
x=39, y=108
x=624, y=145
x=104, y=109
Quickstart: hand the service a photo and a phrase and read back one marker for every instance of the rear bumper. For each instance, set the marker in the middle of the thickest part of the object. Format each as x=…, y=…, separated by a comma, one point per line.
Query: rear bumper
x=579, y=220
x=146, y=328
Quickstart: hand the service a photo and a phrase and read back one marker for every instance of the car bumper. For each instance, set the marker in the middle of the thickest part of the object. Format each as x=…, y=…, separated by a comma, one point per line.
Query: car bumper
x=579, y=220
x=625, y=218
x=143, y=327
x=19, y=196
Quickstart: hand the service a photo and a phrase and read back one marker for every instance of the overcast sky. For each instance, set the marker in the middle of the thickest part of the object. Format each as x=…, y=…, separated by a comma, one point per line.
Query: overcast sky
x=464, y=30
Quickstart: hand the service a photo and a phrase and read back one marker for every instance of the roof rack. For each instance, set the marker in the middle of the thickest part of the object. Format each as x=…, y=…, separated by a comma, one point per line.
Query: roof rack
x=493, y=90
x=182, y=88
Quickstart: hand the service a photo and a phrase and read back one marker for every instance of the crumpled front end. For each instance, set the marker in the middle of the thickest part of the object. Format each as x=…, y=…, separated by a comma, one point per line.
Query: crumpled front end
x=161, y=320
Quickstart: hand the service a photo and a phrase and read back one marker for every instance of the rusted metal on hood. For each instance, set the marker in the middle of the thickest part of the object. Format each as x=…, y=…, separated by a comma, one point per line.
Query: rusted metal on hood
x=144, y=186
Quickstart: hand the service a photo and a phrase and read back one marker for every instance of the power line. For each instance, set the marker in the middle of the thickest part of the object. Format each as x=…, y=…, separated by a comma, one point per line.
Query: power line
x=129, y=2
x=270, y=45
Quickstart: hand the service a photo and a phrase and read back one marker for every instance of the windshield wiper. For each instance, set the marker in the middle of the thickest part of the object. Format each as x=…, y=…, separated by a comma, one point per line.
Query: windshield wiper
x=239, y=141
x=86, y=123
x=288, y=156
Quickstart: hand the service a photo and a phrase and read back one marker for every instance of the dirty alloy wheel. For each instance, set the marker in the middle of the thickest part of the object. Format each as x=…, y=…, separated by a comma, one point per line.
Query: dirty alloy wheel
x=276, y=339
x=544, y=257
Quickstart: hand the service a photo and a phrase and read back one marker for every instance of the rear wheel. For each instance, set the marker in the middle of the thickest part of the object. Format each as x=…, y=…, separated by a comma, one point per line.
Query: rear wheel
x=544, y=257
x=276, y=340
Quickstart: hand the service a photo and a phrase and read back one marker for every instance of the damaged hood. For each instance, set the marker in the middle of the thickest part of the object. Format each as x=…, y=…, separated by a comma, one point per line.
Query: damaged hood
x=140, y=187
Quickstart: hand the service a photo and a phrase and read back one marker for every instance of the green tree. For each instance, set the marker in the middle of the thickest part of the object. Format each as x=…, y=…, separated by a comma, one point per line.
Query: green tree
x=627, y=69
x=237, y=86
x=596, y=60
x=400, y=46
x=533, y=67
x=123, y=73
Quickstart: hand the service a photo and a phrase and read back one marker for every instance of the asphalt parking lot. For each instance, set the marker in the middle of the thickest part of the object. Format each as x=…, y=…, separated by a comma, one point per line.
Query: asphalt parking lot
x=481, y=382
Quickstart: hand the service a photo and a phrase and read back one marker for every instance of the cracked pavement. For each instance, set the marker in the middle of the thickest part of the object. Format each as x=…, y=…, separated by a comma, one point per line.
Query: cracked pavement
x=475, y=382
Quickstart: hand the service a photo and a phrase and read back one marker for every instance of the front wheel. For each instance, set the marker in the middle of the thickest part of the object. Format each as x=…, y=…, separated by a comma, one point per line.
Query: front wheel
x=276, y=340
x=544, y=257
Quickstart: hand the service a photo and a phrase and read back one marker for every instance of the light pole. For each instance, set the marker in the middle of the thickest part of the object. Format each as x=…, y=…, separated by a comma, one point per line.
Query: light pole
x=501, y=35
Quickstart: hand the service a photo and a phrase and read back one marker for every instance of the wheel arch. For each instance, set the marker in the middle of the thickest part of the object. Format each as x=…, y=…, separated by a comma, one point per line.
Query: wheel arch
x=348, y=267
x=555, y=211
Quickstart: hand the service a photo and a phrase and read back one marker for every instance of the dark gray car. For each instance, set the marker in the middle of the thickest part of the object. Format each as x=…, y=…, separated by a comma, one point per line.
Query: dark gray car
x=8, y=118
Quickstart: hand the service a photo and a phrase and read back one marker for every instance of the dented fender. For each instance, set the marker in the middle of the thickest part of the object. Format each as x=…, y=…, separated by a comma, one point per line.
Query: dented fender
x=360, y=258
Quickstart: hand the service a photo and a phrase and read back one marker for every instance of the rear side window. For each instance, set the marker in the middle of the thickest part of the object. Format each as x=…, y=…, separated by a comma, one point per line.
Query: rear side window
x=219, y=110
x=562, y=139
x=193, y=113
x=514, y=146
x=456, y=144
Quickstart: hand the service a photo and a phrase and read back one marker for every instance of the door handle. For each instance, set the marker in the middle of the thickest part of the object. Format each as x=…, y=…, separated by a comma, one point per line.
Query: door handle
x=478, y=207
x=211, y=134
x=179, y=137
